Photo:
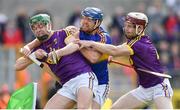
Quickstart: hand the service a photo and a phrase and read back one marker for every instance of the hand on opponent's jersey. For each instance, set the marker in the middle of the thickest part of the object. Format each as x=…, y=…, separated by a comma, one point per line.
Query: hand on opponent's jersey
x=84, y=43
x=72, y=29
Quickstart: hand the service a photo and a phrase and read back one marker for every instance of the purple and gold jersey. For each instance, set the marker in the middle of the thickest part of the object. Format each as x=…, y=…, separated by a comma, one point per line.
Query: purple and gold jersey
x=69, y=66
x=145, y=56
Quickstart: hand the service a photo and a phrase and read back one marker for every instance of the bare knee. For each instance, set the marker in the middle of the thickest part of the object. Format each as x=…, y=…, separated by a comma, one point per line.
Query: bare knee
x=95, y=105
x=83, y=106
x=163, y=103
x=86, y=104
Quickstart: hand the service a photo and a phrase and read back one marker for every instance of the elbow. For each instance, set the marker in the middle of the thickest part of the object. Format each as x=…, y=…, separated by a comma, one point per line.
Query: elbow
x=114, y=53
x=17, y=68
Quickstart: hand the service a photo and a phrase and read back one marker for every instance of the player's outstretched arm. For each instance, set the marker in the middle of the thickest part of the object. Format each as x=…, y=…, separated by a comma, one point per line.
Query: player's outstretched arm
x=107, y=48
x=68, y=49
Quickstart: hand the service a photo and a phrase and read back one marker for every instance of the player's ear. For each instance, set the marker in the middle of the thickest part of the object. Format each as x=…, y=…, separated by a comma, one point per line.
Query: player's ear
x=49, y=26
x=97, y=23
x=140, y=28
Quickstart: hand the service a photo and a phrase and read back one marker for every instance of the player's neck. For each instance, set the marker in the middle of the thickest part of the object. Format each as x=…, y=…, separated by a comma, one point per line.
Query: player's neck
x=95, y=31
x=50, y=33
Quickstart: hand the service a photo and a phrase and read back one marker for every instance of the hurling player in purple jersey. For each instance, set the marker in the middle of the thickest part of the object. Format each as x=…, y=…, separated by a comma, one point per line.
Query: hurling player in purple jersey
x=91, y=19
x=143, y=55
x=90, y=29
x=70, y=67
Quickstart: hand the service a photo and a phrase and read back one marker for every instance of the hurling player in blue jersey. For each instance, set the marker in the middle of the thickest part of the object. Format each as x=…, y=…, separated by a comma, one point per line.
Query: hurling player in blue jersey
x=90, y=30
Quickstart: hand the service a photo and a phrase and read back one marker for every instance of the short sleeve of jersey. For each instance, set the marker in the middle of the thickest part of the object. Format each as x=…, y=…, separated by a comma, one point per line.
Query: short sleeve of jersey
x=103, y=36
x=130, y=49
x=65, y=33
x=139, y=49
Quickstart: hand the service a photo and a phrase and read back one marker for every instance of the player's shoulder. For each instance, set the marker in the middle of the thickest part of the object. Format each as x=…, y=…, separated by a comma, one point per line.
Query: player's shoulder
x=104, y=35
x=103, y=32
x=136, y=41
x=62, y=32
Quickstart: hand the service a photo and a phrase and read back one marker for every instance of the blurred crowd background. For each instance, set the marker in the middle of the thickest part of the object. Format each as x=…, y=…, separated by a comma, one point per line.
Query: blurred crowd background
x=164, y=29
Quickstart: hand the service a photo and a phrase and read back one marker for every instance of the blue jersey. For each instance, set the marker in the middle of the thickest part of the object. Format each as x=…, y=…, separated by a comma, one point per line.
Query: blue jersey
x=100, y=68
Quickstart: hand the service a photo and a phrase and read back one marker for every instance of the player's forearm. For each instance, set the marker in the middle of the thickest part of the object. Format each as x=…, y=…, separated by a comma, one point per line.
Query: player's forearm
x=91, y=55
x=69, y=49
x=22, y=63
x=120, y=50
x=105, y=48
x=35, y=43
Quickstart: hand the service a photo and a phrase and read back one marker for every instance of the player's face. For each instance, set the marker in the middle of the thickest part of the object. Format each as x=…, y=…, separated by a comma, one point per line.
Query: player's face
x=129, y=29
x=87, y=24
x=39, y=29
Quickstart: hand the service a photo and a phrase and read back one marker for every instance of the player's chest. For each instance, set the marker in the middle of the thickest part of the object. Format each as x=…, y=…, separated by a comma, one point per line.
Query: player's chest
x=54, y=44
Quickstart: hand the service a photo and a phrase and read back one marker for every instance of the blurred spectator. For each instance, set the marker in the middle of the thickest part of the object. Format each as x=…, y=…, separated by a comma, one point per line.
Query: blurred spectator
x=12, y=35
x=170, y=23
x=163, y=46
x=157, y=33
x=22, y=24
x=165, y=54
x=74, y=18
x=177, y=29
x=176, y=6
x=166, y=61
x=118, y=23
x=155, y=13
x=170, y=3
x=175, y=50
x=114, y=33
x=3, y=21
x=141, y=7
